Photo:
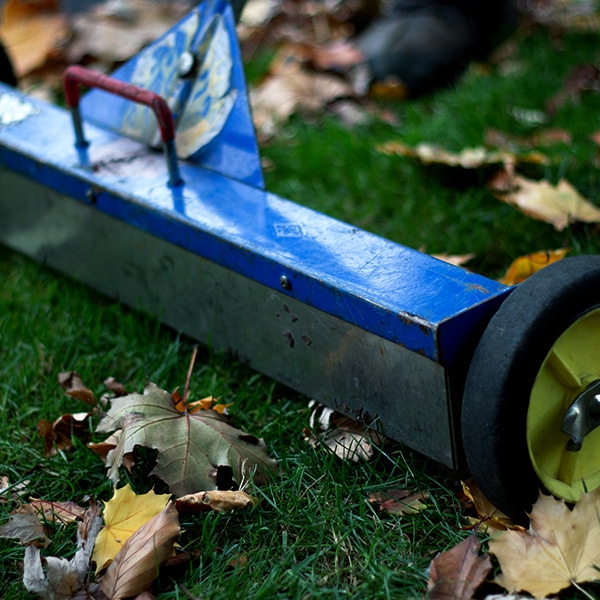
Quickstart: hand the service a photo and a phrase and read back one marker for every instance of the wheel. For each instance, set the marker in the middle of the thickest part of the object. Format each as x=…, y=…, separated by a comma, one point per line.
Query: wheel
x=531, y=403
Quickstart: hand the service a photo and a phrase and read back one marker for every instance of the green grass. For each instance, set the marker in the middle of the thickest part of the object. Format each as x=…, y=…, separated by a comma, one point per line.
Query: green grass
x=315, y=535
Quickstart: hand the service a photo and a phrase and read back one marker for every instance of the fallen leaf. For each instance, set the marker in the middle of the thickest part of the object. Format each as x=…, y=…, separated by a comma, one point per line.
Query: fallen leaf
x=208, y=403
x=289, y=89
x=558, y=205
x=25, y=525
x=58, y=512
x=345, y=437
x=429, y=154
x=399, y=501
x=217, y=500
x=455, y=259
x=524, y=266
x=114, y=32
x=579, y=79
x=136, y=566
x=32, y=35
x=561, y=547
x=118, y=389
x=124, y=514
x=59, y=435
x=457, y=573
x=74, y=387
x=488, y=515
x=60, y=580
x=10, y=491
x=541, y=138
x=190, y=446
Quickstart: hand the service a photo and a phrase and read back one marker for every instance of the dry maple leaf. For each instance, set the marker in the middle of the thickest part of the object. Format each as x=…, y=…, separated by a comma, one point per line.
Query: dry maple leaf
x=190, y=446
x=136, y=566
x=458, y=572
x=561, y=547
x=124, y=514
x=558, y=205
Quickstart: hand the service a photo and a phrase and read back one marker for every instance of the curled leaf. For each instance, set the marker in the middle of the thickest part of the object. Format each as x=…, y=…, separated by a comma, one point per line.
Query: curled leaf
x=217, y=500
x=136, y=565
x=458, y=572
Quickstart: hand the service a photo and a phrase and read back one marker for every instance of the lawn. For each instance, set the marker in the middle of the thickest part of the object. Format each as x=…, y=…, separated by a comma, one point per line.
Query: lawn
x=315, y=534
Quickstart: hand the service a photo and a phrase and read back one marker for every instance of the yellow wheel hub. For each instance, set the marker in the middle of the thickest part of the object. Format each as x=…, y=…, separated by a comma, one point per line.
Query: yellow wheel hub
x=572, y=364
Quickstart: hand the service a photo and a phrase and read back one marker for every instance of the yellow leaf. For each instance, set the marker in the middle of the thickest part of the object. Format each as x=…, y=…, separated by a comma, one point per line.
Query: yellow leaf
x=560, y=548
x=124, y=514
x=524, y=266
x=558, y=205
x=136, y=566
x=489, y=516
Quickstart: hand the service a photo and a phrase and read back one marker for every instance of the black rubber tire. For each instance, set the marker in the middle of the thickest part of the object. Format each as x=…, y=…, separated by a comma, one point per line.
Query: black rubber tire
x=502, y=373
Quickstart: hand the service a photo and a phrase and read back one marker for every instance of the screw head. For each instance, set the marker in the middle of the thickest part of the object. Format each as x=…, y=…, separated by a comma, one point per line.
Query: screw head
x=285, y=282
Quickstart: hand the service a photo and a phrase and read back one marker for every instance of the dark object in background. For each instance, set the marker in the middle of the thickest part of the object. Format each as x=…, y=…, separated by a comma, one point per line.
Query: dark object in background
x=7, y=73
x=427, y=44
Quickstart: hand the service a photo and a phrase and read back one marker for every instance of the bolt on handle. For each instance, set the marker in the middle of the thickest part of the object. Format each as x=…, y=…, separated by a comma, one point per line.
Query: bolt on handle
x=75, y=75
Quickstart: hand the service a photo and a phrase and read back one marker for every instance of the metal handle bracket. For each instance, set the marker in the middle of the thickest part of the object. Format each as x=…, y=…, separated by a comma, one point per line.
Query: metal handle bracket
x=75, y=76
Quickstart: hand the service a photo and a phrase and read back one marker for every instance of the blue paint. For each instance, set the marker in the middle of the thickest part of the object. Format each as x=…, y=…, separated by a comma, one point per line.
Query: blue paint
x=234, y=152
x=396, y=292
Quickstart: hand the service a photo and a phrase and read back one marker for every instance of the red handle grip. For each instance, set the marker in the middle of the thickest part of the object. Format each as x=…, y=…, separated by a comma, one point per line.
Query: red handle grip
x=75, y=76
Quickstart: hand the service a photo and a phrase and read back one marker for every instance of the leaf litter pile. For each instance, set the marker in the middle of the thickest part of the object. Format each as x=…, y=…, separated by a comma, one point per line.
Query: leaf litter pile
x=122, y=543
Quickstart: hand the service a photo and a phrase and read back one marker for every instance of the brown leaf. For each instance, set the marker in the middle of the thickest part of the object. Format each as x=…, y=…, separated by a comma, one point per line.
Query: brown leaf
x=525, y=266
x=289, y=89
x=118, y=389
x=59, y=435
x=580, y=79
x=488, y=515
x=558, y=205
x=458, y=572
x=398, y=501
x=114, y=32
x=561, y=547
x=57, y=512
x=217, y=500
x=32, y=34
x=25, y=525
x=74, y=387
x=136, y=566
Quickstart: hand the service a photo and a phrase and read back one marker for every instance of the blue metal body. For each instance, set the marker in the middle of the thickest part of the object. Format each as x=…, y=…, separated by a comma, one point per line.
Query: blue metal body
x=222, y=214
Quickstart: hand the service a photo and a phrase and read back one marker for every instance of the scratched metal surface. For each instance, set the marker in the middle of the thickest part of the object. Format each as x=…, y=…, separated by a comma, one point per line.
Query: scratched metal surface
x=395, y=292
x=343, y=366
